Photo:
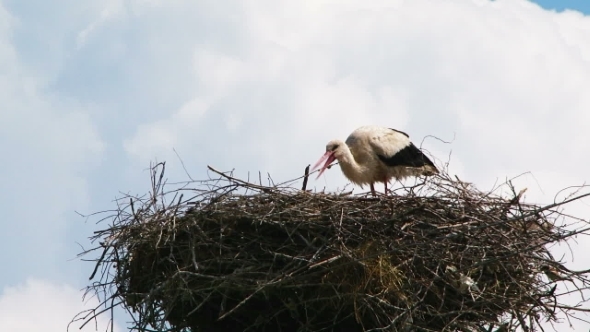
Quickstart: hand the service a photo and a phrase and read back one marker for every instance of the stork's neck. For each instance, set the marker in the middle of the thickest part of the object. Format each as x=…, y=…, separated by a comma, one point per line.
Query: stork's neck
x=348, y=164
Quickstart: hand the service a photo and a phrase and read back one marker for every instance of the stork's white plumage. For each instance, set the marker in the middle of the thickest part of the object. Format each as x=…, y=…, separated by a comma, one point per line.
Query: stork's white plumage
x=376, y=154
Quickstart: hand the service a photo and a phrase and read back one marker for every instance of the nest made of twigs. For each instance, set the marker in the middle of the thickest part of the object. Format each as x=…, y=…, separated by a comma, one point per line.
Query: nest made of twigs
x=442, y=256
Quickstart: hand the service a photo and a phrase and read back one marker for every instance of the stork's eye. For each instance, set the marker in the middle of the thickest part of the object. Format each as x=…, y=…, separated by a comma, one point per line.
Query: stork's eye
x=334, y=147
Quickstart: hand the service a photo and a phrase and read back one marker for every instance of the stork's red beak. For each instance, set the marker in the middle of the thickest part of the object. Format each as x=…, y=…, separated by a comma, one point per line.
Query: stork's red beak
x=329, y=158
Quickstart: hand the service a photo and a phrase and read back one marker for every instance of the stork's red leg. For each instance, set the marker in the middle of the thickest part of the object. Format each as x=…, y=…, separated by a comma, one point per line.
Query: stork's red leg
x=385, y=184
x=373, y=190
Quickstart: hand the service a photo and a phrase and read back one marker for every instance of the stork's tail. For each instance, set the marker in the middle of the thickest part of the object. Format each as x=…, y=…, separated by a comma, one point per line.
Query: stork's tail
x=429, y=170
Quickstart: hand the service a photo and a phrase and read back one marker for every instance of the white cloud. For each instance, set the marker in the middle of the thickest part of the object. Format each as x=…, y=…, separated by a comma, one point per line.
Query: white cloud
x=39, y=305
x=217, y=71
x=49, y=144
x=111, y=9
x=161, y=136
x=52, y=147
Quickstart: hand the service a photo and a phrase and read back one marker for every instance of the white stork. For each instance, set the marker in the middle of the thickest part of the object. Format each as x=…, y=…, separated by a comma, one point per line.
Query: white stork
x=376, y=154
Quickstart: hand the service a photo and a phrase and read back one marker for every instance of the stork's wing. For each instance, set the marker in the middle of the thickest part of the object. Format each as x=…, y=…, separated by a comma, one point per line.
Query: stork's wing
x=394, y=148
x=388, y=142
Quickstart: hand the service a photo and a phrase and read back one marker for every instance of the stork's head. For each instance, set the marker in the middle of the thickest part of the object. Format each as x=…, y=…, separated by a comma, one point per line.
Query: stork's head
x=333, y=151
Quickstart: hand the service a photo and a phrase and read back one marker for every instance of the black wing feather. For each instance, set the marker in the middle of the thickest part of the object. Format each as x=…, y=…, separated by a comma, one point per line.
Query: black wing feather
x=401, y=132
x=409, y=156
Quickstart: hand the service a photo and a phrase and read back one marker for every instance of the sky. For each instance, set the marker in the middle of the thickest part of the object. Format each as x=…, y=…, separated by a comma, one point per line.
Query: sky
x=562, y=5
x=93, y=91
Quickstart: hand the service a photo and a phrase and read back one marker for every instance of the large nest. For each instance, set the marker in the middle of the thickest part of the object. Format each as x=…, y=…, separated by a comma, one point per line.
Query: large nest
x=237, y=256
